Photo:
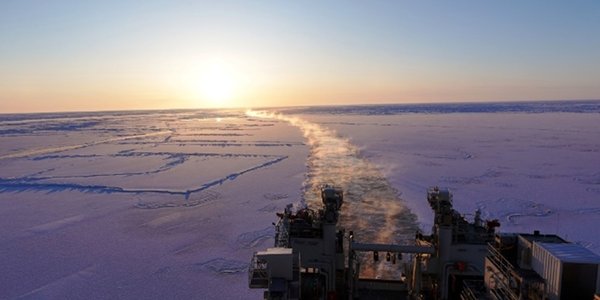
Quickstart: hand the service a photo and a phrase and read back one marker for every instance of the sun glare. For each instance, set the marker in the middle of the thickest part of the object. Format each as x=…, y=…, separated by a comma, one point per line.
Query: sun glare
x=213, y=82
x=216, y=86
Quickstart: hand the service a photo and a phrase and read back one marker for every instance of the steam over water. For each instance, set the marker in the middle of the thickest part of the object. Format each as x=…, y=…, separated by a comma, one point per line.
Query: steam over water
x=372, y=208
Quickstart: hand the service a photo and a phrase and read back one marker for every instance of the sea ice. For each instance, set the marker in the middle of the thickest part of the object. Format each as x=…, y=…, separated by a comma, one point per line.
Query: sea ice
x=172, y=204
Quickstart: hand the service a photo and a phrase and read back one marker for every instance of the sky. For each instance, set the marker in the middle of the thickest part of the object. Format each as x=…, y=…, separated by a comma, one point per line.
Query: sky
x=114, y=55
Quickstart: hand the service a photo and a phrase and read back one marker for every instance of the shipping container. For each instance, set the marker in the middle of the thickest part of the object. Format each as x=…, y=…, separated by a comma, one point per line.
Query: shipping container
x=570, y=270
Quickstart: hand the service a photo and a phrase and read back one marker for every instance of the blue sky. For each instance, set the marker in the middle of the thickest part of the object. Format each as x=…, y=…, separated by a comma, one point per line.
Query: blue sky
x=87, y=55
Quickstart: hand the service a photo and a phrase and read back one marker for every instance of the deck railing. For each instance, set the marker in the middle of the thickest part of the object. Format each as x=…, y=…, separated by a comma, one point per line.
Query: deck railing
x=504, y=291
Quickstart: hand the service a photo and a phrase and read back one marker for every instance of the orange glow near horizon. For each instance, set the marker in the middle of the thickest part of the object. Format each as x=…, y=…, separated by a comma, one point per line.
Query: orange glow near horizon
x=232, y=80
x=105, y=55
x=216, y=80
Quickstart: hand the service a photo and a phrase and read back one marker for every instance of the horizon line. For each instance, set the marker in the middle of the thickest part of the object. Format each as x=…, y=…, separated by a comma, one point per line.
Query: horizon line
x=298, y=106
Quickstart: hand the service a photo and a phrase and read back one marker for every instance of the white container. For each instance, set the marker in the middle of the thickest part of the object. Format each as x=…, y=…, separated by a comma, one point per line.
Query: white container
x=570, y=270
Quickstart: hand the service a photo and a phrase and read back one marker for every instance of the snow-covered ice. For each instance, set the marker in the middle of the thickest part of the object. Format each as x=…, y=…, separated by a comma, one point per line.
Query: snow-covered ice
x=156, y=205
x=530, y=165
x=172, y=204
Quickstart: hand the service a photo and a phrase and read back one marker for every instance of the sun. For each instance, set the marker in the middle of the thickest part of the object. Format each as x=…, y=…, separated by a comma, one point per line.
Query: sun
x=217, y=86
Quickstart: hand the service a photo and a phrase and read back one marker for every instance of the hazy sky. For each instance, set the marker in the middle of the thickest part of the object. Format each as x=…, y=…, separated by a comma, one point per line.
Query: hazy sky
x=104, y=55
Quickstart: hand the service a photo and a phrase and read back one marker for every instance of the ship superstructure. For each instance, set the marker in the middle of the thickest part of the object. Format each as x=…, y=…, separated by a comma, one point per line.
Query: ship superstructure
x=314, y=258
x=307, y=261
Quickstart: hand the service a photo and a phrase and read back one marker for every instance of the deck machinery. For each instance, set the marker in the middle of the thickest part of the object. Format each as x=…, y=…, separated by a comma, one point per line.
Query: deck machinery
x=314, y=258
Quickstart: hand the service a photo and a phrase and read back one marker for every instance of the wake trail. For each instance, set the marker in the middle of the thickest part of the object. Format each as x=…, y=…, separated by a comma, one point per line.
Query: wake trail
x=372, y=207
